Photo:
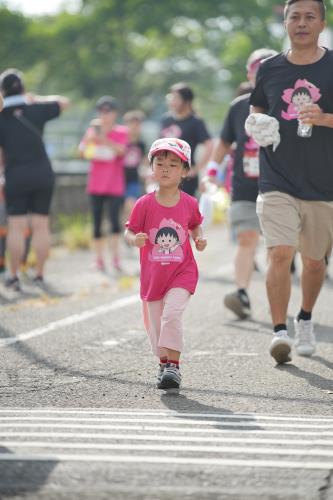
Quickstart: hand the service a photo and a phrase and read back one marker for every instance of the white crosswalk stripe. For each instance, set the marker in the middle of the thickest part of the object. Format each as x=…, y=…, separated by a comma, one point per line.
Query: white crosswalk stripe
x=158, y=436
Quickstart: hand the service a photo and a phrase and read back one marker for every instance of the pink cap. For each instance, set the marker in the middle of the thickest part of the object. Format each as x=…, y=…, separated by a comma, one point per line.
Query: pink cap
x=176, y=146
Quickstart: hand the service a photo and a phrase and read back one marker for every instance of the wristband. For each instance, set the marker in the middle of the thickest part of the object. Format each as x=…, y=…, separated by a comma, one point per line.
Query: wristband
x=212, y=168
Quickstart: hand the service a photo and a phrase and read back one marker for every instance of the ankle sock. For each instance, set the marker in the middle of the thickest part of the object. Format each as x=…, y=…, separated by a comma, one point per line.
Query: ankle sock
x=163, y=361
x=172, y=362
x=304, y=315
x=278, y=328
x=242, y=293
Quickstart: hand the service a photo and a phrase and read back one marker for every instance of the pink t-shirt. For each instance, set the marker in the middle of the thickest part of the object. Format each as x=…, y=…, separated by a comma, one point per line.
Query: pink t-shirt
x=106, y=175
x=167, y=259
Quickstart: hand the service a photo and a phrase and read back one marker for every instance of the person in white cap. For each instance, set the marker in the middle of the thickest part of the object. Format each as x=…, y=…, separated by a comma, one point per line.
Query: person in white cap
x=161, y=224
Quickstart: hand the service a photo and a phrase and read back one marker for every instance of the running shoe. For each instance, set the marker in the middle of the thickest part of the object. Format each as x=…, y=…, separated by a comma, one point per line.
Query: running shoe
x=280, y=347
x=13, y=283
x=99, y=264
x=238, y=304
x=160, y=371
x=171, y=378
x=305, y=340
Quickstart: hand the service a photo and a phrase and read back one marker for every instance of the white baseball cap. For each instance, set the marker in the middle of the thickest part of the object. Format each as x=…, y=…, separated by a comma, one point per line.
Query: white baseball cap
x=176, y=146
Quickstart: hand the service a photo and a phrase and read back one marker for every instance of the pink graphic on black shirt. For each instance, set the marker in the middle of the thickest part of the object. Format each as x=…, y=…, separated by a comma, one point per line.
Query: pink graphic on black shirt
x=167, y=241
x=172, y=131
x=302, y=94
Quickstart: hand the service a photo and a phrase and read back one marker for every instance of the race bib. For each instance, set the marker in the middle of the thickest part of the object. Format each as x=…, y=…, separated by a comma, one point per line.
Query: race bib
x=251, y=164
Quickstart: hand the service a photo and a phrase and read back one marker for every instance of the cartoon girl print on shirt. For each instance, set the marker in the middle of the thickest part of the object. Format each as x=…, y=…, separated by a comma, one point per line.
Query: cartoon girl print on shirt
x=302, y=94
x=167, y=241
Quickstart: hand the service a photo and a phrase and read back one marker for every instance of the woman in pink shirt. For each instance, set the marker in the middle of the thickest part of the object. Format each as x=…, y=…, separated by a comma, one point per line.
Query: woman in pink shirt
x=160, y=225
x=104, y=144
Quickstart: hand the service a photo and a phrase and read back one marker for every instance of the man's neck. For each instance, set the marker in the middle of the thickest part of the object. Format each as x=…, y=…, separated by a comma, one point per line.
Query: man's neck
x=181, y=115
x=305, y=55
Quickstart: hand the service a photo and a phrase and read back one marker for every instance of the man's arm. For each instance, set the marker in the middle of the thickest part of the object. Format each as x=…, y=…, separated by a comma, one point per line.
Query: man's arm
x=256, y=109
x=63, y=102
x=1, y=103
x=204, y=157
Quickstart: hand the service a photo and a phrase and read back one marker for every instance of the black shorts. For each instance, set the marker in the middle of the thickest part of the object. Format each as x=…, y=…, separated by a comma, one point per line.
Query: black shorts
x=36, y=201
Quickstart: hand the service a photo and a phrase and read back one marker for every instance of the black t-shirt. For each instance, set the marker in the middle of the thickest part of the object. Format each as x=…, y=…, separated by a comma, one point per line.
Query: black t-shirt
x=246, y=157
x=191, y=129
x=301, y=167
x=21, y=130
x=135, y=152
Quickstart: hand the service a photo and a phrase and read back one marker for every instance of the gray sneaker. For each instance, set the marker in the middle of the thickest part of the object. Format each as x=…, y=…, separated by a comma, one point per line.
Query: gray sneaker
x=160, y=371
x=280, y=347
x=305, y=340
x=171, y=378
x=238, y=305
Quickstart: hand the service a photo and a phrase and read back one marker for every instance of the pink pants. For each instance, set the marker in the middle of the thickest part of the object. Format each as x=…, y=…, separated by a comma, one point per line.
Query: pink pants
x=163, y=320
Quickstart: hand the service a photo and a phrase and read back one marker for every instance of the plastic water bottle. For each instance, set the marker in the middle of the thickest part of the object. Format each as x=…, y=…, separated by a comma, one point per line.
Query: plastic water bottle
x=304, y=129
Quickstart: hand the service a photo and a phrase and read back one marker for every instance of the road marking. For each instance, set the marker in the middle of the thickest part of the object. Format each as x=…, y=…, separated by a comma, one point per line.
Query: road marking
x=150, y=437
x=156, y=428
x=133, y=436
x=71, y=320
x=195, y=449
x=153, y=459
x=166, y=413
x=176, y=421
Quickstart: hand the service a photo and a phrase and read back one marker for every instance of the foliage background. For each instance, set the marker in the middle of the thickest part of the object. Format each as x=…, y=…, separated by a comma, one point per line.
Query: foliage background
x=134, y=49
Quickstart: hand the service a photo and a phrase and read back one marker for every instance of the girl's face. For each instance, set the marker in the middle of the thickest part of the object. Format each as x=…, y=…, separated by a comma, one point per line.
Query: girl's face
x=166, y=241
x=107, y=117
x=168, y=169
x=301, y=100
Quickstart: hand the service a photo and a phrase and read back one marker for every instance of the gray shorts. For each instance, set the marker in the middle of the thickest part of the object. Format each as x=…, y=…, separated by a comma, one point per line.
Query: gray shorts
x=243, y=217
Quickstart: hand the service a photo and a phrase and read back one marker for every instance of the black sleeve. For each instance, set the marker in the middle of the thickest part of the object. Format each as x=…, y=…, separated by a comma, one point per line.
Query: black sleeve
x=258, y=97
x=228, y=131
x=202, y=132
x=49, y=110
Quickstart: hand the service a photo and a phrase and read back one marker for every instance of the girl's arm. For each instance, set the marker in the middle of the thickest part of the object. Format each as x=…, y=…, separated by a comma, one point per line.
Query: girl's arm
x=136, y=240
x=199, y=241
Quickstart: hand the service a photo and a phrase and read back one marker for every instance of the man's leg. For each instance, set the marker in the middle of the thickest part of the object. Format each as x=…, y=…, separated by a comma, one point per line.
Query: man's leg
x=312, y=279
x=40, y=240
x=244, y=259
x=17, y=225
x=278, y=283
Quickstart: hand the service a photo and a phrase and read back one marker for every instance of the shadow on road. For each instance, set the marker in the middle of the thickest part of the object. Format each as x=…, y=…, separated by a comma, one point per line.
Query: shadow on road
x=23, y=477
x=324, y=384
x=185, y=406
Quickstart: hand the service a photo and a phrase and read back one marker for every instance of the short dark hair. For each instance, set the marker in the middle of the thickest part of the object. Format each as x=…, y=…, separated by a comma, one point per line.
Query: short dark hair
x=135, y=115
x=322, y=7
x=184, y=90
x=107, y=102
x=11, y=82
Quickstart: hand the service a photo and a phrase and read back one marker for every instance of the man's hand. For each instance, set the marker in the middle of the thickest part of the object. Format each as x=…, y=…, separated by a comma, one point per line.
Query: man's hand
x=140, y=240
x=312, y=114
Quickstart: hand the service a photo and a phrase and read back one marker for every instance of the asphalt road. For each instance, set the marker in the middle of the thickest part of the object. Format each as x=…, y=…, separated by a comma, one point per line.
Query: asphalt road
x=80, y=417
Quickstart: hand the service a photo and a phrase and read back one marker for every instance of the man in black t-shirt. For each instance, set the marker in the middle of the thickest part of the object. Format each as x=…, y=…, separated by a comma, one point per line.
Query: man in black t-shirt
x=29, y=177
x=182, y=122
x=242, y=214
x=295, y=205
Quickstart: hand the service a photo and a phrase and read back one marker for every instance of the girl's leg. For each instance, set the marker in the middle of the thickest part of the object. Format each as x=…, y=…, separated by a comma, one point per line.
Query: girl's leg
x=171, y=335
x=116, y=203
x=152, y=313
x=97, y=203
x=17, y=225
x=40, y=241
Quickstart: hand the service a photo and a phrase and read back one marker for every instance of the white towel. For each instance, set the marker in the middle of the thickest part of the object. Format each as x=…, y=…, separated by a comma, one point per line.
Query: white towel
x=263, y=129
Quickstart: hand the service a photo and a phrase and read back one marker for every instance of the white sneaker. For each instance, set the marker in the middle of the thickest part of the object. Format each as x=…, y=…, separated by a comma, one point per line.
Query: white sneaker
x=305, y=340
x=281, y=346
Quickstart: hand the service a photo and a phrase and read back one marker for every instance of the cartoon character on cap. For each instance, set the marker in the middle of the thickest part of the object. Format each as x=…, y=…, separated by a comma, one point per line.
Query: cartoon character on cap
x=177, y=146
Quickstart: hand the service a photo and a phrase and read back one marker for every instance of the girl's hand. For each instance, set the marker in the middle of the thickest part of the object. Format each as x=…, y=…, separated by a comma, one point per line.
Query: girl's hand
x=200, y=244
x=140, y=240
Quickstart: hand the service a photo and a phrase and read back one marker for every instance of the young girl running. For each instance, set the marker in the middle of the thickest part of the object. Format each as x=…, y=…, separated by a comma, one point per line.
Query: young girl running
x=160, y=225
